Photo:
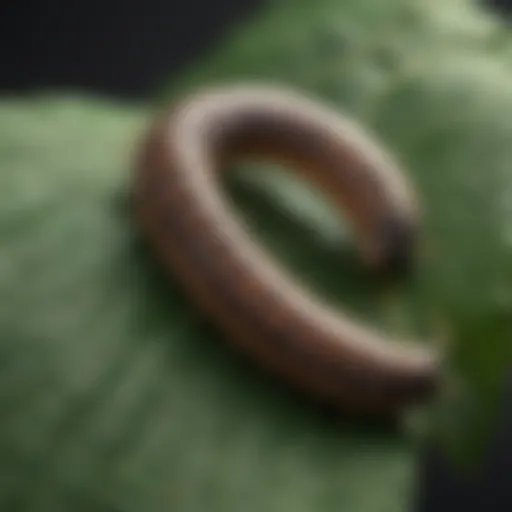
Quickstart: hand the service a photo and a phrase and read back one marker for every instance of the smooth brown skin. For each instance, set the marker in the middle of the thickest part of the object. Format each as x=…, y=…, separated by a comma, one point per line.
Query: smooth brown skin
x=186, y=214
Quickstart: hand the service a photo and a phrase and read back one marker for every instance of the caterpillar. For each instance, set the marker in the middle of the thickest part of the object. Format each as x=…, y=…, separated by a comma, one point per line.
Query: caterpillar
x=183, y=210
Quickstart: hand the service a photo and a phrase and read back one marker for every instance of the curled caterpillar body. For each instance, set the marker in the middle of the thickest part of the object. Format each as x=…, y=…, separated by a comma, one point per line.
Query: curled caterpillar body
x=180, y=202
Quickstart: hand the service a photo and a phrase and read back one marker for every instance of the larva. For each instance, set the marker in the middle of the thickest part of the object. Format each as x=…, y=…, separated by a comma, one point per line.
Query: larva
x=180, y=202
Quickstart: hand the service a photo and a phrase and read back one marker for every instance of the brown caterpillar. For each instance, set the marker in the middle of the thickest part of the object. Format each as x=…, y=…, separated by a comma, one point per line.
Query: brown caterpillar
x=181, y=205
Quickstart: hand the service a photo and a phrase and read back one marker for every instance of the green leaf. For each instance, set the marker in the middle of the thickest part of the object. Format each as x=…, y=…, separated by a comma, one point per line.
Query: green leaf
x=115, y=394
x=452, y=124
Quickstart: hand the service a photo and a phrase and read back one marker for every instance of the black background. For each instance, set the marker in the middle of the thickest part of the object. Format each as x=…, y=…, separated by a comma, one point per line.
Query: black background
x=125, y=49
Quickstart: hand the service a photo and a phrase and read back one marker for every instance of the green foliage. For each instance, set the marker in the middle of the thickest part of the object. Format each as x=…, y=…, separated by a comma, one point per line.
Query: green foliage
x=452, y=124
x=116, y=395
x=346, y=51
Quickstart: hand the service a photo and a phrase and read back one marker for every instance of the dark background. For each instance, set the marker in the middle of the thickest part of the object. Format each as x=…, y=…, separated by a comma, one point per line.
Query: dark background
x=122, y=48
x=125, y=49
